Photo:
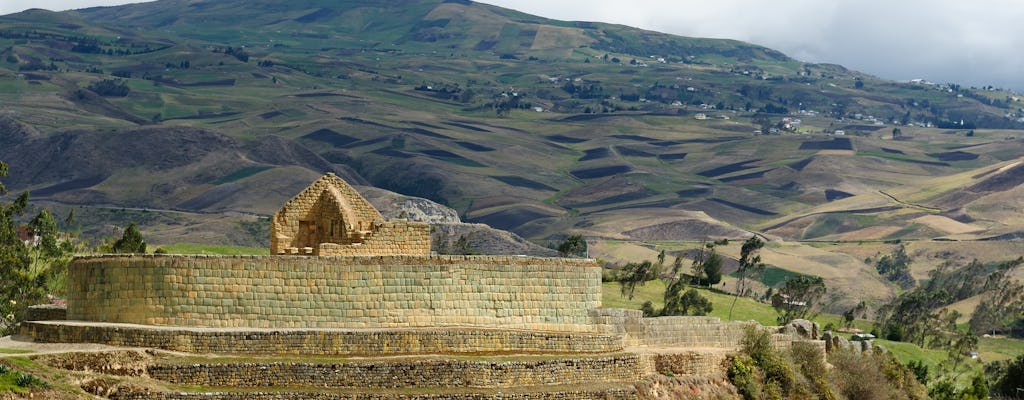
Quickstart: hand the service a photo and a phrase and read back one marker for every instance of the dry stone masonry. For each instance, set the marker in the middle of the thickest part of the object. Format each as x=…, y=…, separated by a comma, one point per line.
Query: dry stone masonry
x=343, y=281
x=548, y=294
x=329, y=218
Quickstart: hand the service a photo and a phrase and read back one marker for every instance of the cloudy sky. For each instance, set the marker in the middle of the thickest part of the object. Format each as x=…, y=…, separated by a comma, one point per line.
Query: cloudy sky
x=979, y=42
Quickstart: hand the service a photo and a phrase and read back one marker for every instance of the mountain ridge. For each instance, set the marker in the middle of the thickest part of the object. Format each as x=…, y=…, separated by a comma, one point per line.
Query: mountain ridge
x=537, y=126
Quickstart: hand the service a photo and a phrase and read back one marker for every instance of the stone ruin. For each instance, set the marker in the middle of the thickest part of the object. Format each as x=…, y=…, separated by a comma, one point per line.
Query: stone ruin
x=329, y=218
x=342, y=281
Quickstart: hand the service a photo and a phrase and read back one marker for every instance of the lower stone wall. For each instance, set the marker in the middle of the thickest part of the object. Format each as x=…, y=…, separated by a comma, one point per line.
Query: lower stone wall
x=625, y=393
x=508, y=292
x=703, y=362
x=689, y=331
x=47, y=312
x=367, y=342
x=680, y=332
x=442, y=373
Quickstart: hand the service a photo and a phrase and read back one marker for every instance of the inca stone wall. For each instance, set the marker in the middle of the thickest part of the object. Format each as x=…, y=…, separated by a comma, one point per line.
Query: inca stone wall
x=544, y=294
x=329, y=218
x=442, y=373
x=627, y=393
x=324, y=342
x=393, y=237
x=689, y=331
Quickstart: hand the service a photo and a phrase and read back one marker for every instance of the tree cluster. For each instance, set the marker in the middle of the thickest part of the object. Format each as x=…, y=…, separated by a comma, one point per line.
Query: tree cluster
x=29, y=271
x=110, y=88
x=896, y=267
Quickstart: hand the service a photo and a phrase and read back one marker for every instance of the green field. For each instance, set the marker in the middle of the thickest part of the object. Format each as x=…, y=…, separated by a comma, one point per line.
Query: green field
x=213, y=249
x=989, y=349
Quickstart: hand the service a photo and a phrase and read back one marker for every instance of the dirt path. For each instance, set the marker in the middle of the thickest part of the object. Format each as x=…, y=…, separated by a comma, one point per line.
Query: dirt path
x=23, y=345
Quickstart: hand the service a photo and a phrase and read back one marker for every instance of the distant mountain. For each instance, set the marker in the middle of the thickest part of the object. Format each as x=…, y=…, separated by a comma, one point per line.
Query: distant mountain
x=523, y=123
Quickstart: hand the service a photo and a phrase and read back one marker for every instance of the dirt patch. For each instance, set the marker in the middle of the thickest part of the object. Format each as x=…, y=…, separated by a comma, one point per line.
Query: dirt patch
x=271, y=114
x=595, y=154
x=833, y=194
x=389, y=152
x=468, y=126
x=752, y=175
x=672, y=156
x=424, y=132
x=728, y=169
x=946, y=224
x=636, y=138
x=600, y=172
x=519, y=181
x=474, y=147
x=511, y=218
x=800, y=165
x=683, y=230
x=1002, y=181
x=330, y=137
x=566, y=139
x=631, y=152
x=834, y=144
x=749, y=209
x=698, y=192
x=954, y=156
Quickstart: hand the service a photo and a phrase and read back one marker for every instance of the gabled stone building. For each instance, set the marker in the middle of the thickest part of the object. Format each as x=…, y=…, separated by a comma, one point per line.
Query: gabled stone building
x=330, y=218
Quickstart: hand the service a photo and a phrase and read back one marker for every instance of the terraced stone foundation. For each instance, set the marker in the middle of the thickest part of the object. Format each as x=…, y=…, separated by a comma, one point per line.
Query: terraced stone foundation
x=279, y=292
x=331, y=342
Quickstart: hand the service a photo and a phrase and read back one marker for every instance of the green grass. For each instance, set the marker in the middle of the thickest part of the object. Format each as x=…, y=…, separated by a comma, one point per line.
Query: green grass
x=241, y=174
x=999, y=348
x=197, y=248
x=746, y=309
x=14, y=351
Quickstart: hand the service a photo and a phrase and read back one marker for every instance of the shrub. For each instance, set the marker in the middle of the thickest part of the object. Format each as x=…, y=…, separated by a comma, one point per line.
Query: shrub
x=110, y=87
x=28, y=380
x=756, y=343
x=743, y=374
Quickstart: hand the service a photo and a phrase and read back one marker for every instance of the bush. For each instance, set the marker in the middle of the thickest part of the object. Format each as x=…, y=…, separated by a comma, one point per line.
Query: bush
x=110, y=87
x=28, y=380
x=875, y=376
x=1007, y=377
x=743, y=374
x=756, y=343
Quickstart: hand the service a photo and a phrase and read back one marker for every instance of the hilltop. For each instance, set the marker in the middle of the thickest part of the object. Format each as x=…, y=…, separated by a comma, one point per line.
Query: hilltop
x=200, y=117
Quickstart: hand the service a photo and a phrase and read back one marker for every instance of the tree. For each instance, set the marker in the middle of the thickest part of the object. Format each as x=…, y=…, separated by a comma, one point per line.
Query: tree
x=798, y=297
x=750, y=266
x=687, y=303
x=896, y=267
x=110, y=88
x=130, y=242
x=634, y=274
x=573, y=246
x=707, y=263
x=19, y=287
x=859, y=310
x=1002, y=301
x=1007, y=377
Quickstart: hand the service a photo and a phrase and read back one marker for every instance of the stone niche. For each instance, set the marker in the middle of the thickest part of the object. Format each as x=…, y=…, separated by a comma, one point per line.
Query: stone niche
x=329, y=218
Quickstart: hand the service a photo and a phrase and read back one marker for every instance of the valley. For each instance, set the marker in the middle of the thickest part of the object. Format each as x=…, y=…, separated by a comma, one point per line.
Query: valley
x=216, y=113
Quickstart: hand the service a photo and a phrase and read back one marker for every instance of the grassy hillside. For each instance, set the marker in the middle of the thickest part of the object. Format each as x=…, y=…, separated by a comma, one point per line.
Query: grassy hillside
x=202, y=117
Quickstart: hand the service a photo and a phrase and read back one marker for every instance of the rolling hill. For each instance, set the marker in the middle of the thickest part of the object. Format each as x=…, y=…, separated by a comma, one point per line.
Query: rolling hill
x=201, y=116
